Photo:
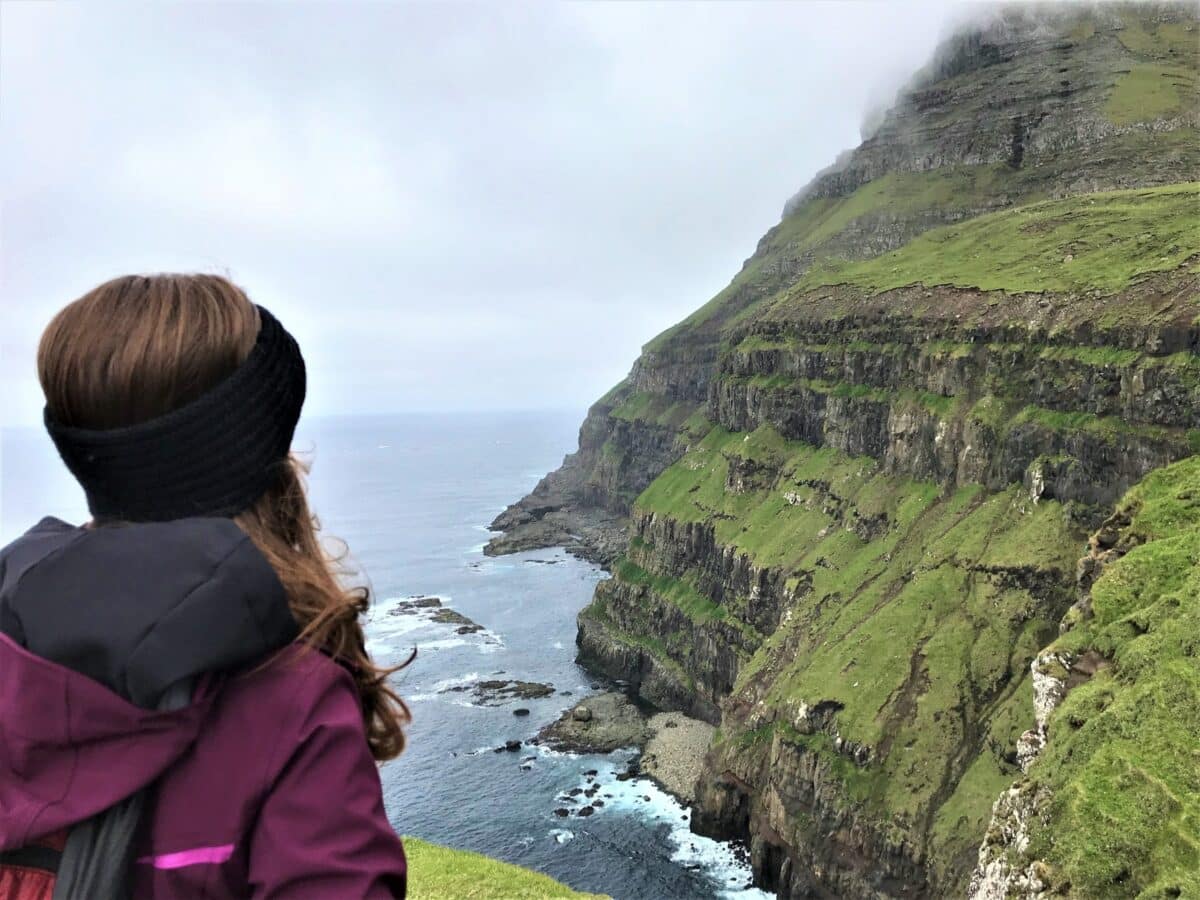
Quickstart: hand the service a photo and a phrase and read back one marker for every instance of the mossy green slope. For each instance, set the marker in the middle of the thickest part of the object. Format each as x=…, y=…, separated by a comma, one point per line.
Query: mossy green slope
x=1099, y=243
x=995, y=296
x=1128, y=80
x=440, y=873
x=1081, y=246
x=921, y=632
x=1122, y=762
x=1157, y=86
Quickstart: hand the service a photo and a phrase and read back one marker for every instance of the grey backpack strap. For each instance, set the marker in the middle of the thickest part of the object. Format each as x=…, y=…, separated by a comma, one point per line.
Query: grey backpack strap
x=95, y=861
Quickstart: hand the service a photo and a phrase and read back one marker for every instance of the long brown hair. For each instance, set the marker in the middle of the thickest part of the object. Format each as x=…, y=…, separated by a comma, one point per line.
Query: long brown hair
x=137, y=347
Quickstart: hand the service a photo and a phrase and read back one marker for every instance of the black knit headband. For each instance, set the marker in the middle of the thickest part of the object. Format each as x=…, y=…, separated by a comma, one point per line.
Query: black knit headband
x=212, y=457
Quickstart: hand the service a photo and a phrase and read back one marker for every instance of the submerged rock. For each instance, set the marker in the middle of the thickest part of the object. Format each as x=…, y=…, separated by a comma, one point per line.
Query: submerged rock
x=497, y=692
x=441, y=615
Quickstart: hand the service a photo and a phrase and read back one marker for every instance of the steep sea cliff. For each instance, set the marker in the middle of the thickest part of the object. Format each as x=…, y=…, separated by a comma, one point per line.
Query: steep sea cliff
x=887, y=510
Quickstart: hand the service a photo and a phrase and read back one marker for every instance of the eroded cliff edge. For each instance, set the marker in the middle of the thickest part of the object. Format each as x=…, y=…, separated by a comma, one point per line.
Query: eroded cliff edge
x=857, y=482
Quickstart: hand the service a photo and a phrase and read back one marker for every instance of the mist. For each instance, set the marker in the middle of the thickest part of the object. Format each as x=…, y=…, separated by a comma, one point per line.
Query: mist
x=452, y=206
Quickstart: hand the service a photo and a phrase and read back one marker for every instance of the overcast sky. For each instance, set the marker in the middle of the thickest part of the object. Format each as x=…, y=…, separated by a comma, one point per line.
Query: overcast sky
x=451, y=206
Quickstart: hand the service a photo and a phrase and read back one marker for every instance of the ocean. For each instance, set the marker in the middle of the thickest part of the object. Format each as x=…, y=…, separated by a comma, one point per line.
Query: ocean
x=411, y=496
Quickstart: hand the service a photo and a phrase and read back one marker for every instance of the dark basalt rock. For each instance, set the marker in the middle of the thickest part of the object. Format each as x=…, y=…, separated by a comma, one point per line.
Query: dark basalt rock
x=496, y=692
x=600, y=724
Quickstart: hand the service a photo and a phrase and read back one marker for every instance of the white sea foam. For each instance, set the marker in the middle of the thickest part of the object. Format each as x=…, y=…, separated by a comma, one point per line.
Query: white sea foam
x=490, y=642
x=398, y=626
x=388, y=630
x=377, y=647
x=543, y=750
x=562, y=835
x=717, y=859
x=444, y=644
x=446, y=683
x=383, y=616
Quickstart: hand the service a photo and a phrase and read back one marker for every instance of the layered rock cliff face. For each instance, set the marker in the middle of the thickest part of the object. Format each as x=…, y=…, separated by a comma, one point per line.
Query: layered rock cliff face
x=856, y=484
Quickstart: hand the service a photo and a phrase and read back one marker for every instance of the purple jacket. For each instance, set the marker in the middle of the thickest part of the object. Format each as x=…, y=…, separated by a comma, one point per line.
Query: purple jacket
x=262, y=787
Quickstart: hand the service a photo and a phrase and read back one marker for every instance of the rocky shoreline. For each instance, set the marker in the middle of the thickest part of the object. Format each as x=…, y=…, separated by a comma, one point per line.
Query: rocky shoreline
x=672, y=745
x=589, y=533
x=674, y=755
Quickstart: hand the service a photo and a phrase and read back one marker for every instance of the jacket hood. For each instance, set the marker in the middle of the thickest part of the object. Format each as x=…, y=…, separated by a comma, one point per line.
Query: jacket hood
x=95, y=626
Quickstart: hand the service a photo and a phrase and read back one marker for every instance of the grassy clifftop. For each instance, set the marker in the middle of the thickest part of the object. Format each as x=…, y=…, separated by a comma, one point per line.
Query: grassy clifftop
x=440, y=873
x=1101, y=243
x=1077, y=248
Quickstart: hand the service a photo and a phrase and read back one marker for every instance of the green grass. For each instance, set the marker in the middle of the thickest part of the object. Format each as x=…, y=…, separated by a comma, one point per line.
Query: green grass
x=654, y=409
x=681, y=593
x=637, y=406
x=1102, y=426
x=1123, y=760
x=935, y=403
x=1100, y=357
x=613, y=394
x=695, y=426
x=1148, y=92
x=1097, y=357
x=914, y=599
x=1100, y=242
x=819, y=221
x=1166, y=41
x=440, y=873
x=905, y=193
x=657, y=649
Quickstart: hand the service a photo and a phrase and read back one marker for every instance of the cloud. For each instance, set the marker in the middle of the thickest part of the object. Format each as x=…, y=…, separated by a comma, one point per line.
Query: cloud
x=453, y=205
x=340, y=181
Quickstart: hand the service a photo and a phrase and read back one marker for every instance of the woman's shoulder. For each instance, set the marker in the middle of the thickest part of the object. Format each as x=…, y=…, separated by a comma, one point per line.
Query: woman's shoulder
x=298, y=673
x=282, y=704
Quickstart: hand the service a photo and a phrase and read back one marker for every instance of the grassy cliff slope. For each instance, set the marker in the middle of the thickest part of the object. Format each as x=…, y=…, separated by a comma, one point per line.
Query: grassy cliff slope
x=1111, y=806
x=859, y=480
x=440, y=873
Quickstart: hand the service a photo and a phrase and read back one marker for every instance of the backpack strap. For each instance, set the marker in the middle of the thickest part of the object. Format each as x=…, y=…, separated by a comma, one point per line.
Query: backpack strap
x=98, y=852
x=35, y=856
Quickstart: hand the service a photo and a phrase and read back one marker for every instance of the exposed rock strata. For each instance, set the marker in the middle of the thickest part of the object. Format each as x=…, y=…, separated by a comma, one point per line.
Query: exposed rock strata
x=1002, y=872
x=1051, y=403
x=582, y=505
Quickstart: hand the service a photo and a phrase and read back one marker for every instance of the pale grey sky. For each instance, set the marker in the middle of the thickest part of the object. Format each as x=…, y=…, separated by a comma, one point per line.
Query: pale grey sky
x=453, y=206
